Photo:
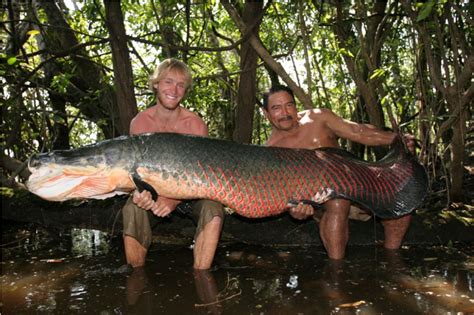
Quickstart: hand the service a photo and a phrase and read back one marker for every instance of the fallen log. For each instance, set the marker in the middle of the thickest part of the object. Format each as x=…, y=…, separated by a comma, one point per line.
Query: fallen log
x=430, y=227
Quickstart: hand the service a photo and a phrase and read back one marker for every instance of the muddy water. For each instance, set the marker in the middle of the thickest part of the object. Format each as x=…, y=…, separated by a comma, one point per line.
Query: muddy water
x=81, y=272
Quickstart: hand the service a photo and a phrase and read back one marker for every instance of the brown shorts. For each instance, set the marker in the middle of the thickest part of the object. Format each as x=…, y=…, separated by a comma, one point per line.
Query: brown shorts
x=136, y=221
x=204, y=211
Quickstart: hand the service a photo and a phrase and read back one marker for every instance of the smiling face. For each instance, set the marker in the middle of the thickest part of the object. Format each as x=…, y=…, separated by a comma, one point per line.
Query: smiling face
x=171, y=88
x=281, y=111
x=170, y=82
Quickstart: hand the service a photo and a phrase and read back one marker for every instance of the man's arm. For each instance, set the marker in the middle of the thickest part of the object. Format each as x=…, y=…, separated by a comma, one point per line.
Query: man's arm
x=362, y=133
x=134, y=126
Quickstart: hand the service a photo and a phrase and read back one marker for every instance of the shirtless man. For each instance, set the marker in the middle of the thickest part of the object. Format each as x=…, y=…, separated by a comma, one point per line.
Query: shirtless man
x=316, y=128
x=170, y=83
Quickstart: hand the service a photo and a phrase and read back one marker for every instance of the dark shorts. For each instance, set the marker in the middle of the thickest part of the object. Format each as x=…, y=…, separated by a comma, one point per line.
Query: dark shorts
x=136, y=221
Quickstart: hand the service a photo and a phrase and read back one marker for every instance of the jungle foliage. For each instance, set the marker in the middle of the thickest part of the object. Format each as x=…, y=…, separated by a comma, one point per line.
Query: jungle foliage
x=75, y=72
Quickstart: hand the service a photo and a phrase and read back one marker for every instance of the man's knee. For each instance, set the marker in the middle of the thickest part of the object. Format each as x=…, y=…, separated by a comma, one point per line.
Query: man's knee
x=337, y=207
x=136, y=223
x=395, y=231
x=397, y=223
x=206, y=211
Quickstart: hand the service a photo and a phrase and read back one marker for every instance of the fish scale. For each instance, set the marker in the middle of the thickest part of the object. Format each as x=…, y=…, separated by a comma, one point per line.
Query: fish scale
x=266, y=179
x=254, y=181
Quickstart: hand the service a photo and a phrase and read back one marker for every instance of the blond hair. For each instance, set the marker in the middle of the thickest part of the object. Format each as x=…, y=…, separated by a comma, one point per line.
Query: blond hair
x=167, y=65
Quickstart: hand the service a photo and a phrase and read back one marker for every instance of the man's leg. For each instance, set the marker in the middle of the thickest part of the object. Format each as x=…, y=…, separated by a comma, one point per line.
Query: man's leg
x=211, y=218
x=395, y=230
x=334, y=227
x=136, y=233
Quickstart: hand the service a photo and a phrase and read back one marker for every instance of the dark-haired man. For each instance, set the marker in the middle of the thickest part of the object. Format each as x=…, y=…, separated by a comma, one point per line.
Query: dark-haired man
x=316, y=128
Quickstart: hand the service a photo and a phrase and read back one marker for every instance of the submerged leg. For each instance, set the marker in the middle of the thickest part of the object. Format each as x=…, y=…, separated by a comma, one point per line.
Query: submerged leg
x=211, y=218
x=136, y=233
x=135, y=253
x=334, y=227
x=395, y=230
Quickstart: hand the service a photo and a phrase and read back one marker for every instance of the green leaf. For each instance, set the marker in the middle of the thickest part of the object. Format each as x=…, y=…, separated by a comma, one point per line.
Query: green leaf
x=33, y=32
x=346, y=52
x=377, y=73
x=6, y=192
x=11, y=61
x=60, y=82
x=425, y=10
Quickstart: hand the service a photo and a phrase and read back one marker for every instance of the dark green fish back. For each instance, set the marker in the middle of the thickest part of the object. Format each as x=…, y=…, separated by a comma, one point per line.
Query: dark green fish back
x=258, y=181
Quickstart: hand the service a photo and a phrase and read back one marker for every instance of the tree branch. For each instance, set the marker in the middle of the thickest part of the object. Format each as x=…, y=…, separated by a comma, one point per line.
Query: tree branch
x=267, y=58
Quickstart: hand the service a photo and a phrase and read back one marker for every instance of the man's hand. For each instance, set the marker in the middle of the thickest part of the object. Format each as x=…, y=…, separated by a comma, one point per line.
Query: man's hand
x=143, y=199
x=301, y=211
x=161, y=208
x=164, y=206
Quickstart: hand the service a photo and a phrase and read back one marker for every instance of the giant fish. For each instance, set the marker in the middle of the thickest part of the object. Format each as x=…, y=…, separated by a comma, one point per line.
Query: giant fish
x=252, y=180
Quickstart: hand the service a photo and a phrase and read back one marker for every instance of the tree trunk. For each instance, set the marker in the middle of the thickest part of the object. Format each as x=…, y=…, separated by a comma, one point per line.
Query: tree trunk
x=13, y=111
x=59, y=119
x=360, y=69
x=267, y=58
x=14, y=166
x=87, y=76
x=222, y=127
x=457, y=160
x=452, y=78
x=123, y=76
x=246, y=97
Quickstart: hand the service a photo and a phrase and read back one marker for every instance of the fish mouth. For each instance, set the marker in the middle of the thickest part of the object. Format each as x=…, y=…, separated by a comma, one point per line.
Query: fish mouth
x=40, y=175
x=49, y=182
x=55, y=182
x=58, y=183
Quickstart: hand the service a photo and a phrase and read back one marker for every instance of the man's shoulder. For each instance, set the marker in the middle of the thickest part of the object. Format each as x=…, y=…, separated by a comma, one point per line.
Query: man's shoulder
x=193, y=123
x=145, y=113
x=315, y=113
x=190, y=115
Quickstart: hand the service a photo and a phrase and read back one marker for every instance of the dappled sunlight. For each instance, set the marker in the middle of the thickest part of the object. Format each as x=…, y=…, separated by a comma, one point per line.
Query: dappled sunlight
x=436, y=290
x=37, y=285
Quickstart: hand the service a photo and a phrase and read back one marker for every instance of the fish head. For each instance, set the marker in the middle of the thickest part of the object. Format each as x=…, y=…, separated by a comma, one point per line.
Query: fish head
x=77, y=174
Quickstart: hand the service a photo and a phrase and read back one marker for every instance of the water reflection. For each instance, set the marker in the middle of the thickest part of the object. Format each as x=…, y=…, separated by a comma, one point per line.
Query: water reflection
x=426, y=287
x=89, y=242
x=79, y=272
x=206, y=289
x=436, y=285
x=136, y=283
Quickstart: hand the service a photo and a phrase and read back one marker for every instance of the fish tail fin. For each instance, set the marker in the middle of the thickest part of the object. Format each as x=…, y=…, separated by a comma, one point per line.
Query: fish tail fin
x=408, y=195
